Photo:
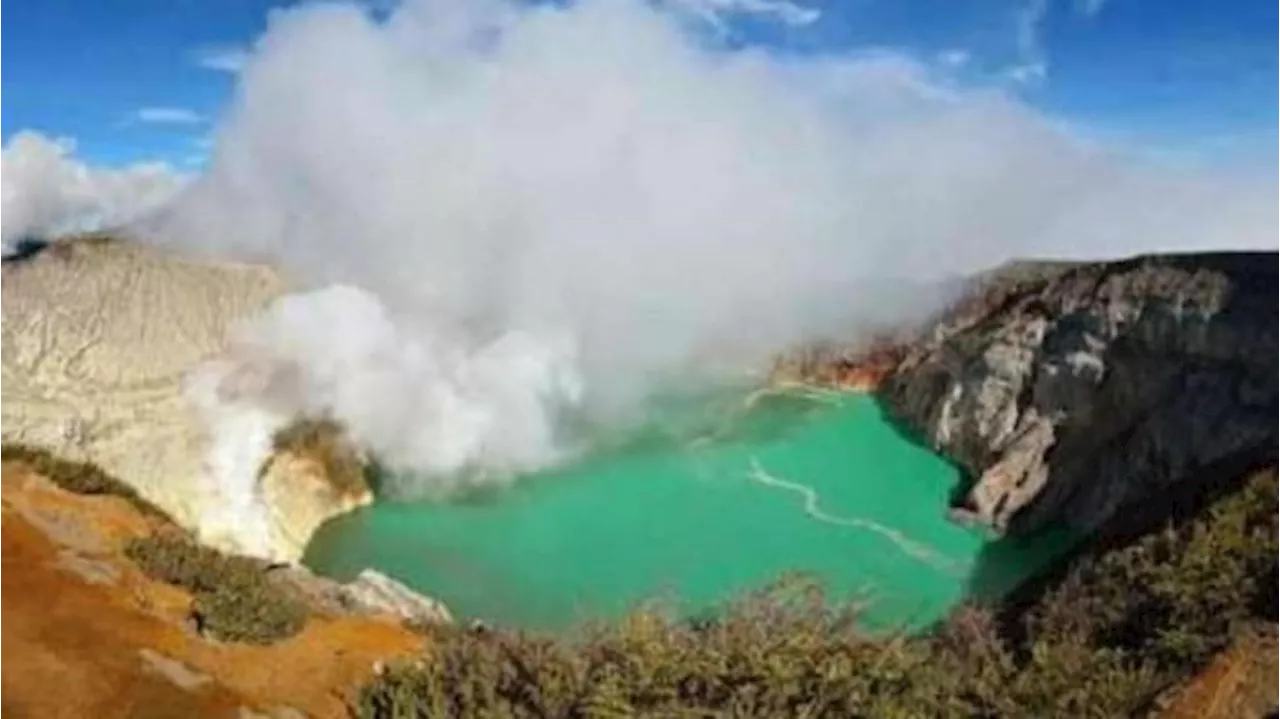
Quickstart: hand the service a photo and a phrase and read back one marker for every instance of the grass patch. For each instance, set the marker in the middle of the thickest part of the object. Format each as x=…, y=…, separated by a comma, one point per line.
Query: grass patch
x=78, y=477
x=234, y=601
x=1107, y=639
x=324, y=440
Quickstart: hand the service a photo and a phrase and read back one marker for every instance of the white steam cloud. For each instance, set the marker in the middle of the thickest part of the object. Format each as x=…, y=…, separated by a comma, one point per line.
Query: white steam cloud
x=47, y=191
x=519, y=218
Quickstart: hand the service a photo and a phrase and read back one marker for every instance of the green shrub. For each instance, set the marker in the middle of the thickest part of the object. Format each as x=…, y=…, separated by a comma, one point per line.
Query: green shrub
x=1104, y=641
x=234, y=600
x=782, y=653
x=1158, y=608
x=78, y=477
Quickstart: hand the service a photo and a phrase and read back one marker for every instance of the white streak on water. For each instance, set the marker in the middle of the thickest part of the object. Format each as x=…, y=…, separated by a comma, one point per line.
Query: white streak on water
x=812, y=507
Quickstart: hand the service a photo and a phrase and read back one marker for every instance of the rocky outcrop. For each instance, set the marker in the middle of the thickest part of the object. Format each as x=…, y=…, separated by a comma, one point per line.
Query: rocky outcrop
x=371, y=593
x=1066, y=391
x=378, y=593
x=100, y=336
x=858, y=368
x=306, y=483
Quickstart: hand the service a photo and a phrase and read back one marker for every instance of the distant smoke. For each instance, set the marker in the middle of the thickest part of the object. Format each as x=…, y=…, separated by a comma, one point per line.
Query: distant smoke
x=538, y=214
x=48, y=192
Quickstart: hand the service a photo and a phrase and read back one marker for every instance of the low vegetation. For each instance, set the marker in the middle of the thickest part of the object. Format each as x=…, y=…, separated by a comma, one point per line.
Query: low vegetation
x=234, y=600
x=1106, y=639
x=78, y=477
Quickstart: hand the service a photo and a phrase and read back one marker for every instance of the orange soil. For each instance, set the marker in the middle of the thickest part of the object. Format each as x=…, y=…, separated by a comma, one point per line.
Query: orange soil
x=862, y=375
x=1240, y=682
x=85, y=630
x=859, y=373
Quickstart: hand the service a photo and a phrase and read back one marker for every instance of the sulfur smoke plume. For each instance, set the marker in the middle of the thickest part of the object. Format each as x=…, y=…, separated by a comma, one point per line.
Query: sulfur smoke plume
x=512, y=219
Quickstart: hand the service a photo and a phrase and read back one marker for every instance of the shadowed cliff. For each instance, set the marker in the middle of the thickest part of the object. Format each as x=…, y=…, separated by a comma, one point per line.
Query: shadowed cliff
x=1069, y=390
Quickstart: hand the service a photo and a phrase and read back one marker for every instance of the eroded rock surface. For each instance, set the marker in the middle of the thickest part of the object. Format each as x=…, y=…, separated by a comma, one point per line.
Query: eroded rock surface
x=99, y=337
x=1068, y=390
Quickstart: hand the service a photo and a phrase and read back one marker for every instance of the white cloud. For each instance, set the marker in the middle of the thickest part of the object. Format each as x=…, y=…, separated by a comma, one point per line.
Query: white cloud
x=717, y=11
x=1031, y=66
x=954, y=58
x=1031, y=73
x=543, y=226
x=223, y=58
x=48, y=191
x=1028, y=19
x=1090, y=8
x=168, y=116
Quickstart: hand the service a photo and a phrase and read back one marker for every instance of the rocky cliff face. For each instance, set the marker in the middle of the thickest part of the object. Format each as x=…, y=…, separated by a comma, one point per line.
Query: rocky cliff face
x=100, y=337
x=1066, y=391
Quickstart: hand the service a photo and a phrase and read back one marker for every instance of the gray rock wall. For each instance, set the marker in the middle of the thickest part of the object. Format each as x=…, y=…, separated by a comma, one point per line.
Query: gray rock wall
x=1066, y=391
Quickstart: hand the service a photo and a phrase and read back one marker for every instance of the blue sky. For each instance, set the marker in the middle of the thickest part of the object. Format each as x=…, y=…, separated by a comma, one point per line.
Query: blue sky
x=131, y=79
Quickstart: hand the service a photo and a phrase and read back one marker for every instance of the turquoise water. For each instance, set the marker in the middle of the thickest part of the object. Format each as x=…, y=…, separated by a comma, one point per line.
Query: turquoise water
x=700, y=507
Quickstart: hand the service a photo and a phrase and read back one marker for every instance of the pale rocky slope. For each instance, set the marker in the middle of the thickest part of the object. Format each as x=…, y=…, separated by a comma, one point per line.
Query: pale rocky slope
x=98, y=337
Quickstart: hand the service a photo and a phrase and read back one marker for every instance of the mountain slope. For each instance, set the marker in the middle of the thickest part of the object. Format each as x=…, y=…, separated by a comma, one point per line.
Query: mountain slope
x=100, y=336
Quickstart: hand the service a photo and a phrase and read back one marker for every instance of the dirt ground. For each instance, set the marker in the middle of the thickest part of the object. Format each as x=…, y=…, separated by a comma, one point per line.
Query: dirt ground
x=86, y=634
x=1240, y=683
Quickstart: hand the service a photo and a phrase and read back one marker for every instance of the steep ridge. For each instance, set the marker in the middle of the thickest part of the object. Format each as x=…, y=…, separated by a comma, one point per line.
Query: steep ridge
x=1068, y=390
